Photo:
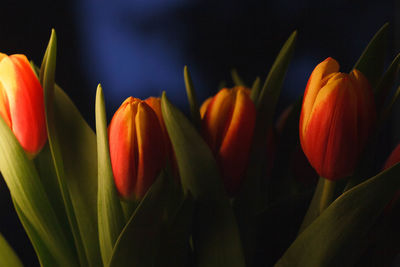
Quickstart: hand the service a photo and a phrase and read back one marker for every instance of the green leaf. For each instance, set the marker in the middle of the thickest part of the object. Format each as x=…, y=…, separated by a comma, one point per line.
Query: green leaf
x=271, y=90
x=191, y=93
x=110, y=216
x=255, y=90
x=7, y=255
x=253, y=195
x=313, y=210
x=47, y=76
x=201, y=179
x=78, y=149
x=386, y=112
x=175, y=247
x=138, y=243
x=387, y=81
x=216, y=236
x=42, y=251
x=337, y=237
x=237, y=80
x=28, y=193
x=372, y=59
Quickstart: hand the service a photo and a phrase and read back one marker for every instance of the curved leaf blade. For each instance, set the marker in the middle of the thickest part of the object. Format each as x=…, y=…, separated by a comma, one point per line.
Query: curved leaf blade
x=7, y=255
x=337, y=236
x=109, y=211
x=191, y=93
x=372, y=59
x=47, y=79
x=216, y=235
x=27, y=191
x=139, y=240
x=387, y=82
x=42, y=252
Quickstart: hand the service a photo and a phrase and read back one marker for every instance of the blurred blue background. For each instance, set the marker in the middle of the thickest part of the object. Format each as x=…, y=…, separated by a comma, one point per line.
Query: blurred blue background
x=138, y=48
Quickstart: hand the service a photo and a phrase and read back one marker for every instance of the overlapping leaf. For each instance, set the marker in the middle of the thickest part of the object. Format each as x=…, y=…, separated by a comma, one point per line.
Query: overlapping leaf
x=7, y=255
x=73, y=150
x=138, y=243
x=110, y=216
x=337, y=236
x=216, y=237
x=372, y=59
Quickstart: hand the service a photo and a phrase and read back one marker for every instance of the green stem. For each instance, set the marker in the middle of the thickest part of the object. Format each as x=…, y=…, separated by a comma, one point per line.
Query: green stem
x=327, y=195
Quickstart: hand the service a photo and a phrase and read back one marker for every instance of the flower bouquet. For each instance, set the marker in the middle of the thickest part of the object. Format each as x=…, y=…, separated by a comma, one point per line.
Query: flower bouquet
x=226, y=187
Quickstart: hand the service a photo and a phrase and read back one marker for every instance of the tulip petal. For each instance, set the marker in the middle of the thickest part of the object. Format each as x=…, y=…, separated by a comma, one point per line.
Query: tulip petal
x=234, y=151
x=26, y=102
x=150, y=147
x=365, y=105
x=323, y=69
x=204, y=107
x=122, y=147
x=330, y=134
x=217, y=116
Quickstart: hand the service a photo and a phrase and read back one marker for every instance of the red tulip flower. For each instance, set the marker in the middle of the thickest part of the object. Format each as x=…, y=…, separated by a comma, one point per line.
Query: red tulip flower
x=336, y=118
x=137, y=148
x=22, y=102
x=155, y=104
x=228, y=124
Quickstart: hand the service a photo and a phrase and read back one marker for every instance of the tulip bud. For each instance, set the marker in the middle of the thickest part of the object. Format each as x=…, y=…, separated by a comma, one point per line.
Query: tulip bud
x=137, y=149
x=228, y=125
x=22, y=102
x=336, y=118
x=155, y=104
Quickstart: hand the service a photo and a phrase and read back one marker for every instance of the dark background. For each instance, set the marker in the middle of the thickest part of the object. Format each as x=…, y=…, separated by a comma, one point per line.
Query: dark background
x=139, y=48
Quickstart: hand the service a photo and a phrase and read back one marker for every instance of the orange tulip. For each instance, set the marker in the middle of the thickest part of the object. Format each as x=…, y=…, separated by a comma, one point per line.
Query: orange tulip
x=137, y=149
x=22, y=102
x=155, y=104
x=336, y=118
x=228, y=125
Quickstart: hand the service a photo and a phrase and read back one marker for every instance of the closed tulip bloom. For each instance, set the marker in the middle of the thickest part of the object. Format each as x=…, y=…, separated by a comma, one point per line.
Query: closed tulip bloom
x=137, y=149
x=155, y=104
x=228, y=125
x=22, y=102
x=336, y=118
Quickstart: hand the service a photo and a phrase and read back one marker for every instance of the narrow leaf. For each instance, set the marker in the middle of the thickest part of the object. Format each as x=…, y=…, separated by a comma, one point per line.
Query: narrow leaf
x=42, y=251
x=372, y=59
x=337, y=237
x=174, y=247
x=270, y=92
x=78, y=150
x=253, y=195
x=313, y=210
x=7, y=255
x=138, y=243
x=201, y=179
x=110, y=216
x=237, y=80
x=255, y=90
x=216, y=236
x=27, y=191
x=387, y=81
x=47, y=76
x=191, y=93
